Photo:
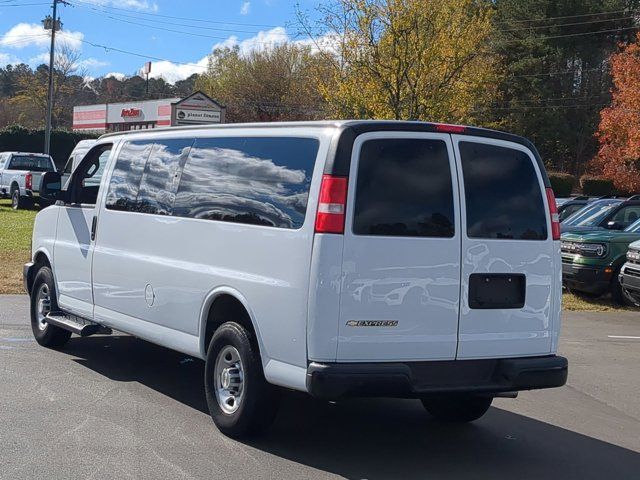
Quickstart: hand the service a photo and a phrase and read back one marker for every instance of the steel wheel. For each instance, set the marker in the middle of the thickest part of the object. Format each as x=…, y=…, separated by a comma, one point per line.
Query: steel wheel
x=229, y=379
x=43, y=305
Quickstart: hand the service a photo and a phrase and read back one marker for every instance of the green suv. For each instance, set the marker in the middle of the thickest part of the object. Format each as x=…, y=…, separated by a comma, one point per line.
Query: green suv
x=591, y=261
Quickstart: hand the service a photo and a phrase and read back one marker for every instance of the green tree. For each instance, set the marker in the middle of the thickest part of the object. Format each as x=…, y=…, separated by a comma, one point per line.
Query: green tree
x=556, y=74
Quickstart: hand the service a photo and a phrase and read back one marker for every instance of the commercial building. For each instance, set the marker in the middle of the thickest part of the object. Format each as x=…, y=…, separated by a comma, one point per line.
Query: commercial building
x=196, y=109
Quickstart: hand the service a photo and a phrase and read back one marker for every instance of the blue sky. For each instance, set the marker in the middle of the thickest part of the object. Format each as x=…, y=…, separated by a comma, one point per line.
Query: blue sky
x=144, y=27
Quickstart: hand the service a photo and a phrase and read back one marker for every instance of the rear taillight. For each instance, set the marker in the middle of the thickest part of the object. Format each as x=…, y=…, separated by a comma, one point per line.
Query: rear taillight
x=28, y=181
x=553, y=212
x=332, y=204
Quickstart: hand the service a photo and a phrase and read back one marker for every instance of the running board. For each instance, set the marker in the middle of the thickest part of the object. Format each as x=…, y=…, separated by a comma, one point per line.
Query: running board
x=75, y=324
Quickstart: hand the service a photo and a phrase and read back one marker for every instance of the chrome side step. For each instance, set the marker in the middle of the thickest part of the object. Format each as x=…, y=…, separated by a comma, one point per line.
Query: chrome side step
x=75, y=324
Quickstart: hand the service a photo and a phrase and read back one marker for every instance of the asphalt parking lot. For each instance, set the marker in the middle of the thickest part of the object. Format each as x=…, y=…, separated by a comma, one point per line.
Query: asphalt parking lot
x=117, y=407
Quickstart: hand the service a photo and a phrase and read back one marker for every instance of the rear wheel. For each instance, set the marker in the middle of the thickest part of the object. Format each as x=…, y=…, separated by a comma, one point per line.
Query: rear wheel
x=16, y=200
x=240, y=400
x=43, y=301
x=457, y=408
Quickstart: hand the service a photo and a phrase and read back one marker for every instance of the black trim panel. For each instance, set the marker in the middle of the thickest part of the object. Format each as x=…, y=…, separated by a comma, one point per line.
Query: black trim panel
x=419, y=379
x=497, y=290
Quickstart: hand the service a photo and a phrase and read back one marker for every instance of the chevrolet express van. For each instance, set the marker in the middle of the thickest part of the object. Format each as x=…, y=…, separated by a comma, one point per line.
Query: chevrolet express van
x=378, y=258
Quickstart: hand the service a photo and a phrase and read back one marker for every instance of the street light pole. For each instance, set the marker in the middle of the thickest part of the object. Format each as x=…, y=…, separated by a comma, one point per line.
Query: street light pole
x=54, y=27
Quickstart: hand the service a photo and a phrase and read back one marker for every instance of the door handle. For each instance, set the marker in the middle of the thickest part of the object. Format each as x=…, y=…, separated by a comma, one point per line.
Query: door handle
x=94, y=224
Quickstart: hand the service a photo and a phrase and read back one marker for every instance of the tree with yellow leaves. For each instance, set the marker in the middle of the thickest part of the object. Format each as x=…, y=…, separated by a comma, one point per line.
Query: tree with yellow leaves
x=405, y=59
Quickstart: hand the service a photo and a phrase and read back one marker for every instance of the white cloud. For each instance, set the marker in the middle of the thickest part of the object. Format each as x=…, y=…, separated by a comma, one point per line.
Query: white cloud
x=31, y=34
x=116, y=75
x=245, y=9
x=142, y=5
x=8, y=59
x=267, y=39
x=92, y=63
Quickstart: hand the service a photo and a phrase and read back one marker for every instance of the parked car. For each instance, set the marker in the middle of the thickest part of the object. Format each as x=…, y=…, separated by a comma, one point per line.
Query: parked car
x=571, y=206
x=604, y=214
x=81, y=148
x=630, y=274
x=247, y=246
x=592, y=261
x=20, y=176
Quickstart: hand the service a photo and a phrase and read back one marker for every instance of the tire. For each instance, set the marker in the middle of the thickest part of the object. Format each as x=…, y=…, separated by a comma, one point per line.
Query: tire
x=457, y=408
x=43, y=300
x=16, y=200
x=617, y=294
x=241, y=402
x=631, y=299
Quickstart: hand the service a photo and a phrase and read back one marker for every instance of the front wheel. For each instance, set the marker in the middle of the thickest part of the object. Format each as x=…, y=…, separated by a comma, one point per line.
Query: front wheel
x=240, y=400
x=43, y=301
x=457, y=408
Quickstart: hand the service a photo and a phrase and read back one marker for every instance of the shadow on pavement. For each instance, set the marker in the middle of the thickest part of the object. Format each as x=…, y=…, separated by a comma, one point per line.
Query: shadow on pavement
x=376, y=438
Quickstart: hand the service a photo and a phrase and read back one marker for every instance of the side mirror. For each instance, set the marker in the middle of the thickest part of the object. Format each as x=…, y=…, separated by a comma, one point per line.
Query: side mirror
x=614, y=226
x=51, y=187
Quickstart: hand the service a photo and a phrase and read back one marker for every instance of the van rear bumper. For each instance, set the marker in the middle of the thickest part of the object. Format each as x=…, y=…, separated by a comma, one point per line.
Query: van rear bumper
x=419, y=379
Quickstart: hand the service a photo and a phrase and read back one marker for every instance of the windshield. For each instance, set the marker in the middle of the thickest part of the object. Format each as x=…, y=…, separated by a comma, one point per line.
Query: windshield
x=592, y=214
x=31, y=163
x=634, y=227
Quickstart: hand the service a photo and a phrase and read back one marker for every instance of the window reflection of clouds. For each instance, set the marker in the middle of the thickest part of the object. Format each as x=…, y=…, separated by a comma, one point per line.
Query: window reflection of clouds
x=125, y=180
x=157, y=188
x=248, y=180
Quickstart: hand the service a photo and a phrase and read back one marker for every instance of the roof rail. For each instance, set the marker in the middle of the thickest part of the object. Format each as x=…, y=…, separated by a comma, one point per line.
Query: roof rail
x=634, y=197
x=582, y=197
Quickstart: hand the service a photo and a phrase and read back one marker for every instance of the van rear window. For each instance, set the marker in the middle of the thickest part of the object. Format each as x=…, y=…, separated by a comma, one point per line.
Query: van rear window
x=503, y=197
x=404, y=188
x=254, y=180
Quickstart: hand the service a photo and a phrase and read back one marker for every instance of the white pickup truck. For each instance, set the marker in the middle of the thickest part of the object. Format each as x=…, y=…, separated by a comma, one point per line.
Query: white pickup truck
x=20, y=176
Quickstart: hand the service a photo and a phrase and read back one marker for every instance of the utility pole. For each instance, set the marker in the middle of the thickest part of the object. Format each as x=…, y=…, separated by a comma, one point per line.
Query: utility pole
x=53, y=24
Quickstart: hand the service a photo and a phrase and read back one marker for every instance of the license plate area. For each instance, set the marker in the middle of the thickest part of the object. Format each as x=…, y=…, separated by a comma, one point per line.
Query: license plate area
x=497, y=290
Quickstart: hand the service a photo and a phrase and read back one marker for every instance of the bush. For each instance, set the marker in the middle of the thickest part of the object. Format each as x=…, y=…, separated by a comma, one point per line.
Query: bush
x=562, y=183
x=597, y=186
x=18, y=138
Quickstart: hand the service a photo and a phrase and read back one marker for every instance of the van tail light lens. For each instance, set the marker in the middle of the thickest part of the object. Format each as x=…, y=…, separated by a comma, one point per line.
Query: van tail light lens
x=447, y=128
x=332, y=205
x=553, y=211
x=28, y=181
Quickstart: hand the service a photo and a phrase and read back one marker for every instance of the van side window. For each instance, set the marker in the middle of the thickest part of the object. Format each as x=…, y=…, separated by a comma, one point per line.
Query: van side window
x=502, y=193
x=260, y=181
x=126, y=176
x=85, y=181
x=404, y=188
x=161, y=175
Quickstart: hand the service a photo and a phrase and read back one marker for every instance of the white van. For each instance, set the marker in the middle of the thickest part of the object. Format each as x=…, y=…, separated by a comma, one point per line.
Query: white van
x=378, y=258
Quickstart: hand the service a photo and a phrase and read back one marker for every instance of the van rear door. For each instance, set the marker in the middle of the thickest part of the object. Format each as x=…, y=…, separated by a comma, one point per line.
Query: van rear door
x=401, y=257
x=510, y=295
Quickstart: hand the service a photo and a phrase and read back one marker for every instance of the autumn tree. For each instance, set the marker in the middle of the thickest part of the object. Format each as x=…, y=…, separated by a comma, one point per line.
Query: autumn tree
x=405, y=59
x=268, y=84
x=619, y=134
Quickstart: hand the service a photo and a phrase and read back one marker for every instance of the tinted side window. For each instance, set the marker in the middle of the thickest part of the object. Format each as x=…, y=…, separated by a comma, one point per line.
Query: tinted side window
x=502, y=192
x=261, y=181
x=404, y=188
x=626, y=215
x=160, y=177
x=126, y=176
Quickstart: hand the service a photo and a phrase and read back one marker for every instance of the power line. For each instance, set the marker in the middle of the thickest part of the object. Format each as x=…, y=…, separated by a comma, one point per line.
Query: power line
x=571, y=35
x=164, y=22
x=174, y=17
x=569, y=24
x=545, y=19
